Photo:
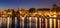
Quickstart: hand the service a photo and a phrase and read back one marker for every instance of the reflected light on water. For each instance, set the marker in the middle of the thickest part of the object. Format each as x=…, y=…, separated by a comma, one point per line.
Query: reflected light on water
x=46, y=22
x=58, y=23
x=54, y=23
x=22, y=22
x=8, y=22
x=40, y=22
x=50, y=20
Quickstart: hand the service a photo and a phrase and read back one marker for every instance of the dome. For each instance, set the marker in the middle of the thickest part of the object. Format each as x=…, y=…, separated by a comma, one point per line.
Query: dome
x=54, y=5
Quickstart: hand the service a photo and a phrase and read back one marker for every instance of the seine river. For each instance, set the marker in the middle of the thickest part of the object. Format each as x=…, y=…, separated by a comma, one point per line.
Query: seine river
x=29, y=22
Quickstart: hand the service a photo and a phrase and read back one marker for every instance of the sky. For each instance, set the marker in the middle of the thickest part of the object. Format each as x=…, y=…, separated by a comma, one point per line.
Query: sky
x=27, y=3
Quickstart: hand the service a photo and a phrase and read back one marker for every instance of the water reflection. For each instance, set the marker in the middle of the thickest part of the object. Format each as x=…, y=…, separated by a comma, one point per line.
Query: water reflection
x=29, y=22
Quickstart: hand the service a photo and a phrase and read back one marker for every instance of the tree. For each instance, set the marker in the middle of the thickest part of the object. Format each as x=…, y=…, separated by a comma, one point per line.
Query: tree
x=31, y=10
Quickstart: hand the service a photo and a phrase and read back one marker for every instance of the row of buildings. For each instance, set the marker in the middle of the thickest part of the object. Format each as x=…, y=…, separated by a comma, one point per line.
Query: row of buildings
x=55, y=10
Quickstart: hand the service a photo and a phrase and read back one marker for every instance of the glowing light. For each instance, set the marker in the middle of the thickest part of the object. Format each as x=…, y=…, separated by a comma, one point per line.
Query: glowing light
x=30, y=21
x=9, y=13
x=0, y=21
x=54, y=12
x=8, y=22
x=40, y=22
x=50, y=23
x=49, y=15
x=46, y=22
x=15, y=22
x=58, y=23
x=22, y=22
x=54, y=16
x=54, y=23
x=36, y=21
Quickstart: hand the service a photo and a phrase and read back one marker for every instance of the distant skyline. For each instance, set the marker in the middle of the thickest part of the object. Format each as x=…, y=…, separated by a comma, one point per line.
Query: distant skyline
x=27, y=3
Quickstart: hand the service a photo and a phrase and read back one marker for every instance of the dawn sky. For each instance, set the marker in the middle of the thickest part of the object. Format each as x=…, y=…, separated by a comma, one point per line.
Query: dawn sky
x=27, y=3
